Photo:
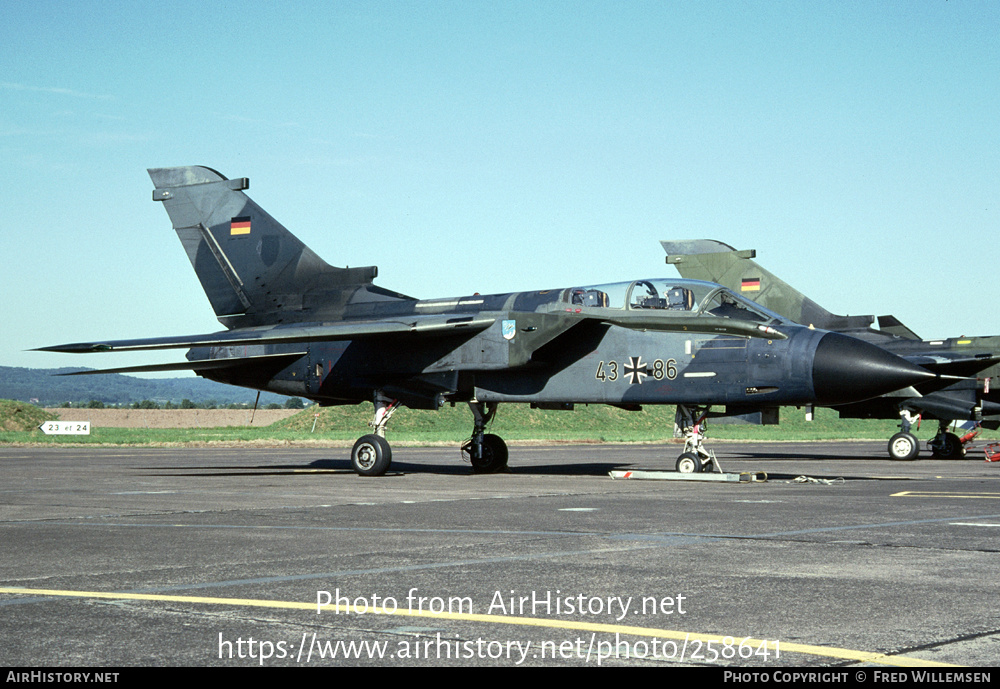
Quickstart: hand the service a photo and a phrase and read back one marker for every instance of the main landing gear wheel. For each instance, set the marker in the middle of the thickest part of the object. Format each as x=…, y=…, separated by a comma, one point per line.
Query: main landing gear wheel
x=903, y=447
x=949, y=447
x=690, y=463
x=371, y=455
x=486, y=451
x=494, y=455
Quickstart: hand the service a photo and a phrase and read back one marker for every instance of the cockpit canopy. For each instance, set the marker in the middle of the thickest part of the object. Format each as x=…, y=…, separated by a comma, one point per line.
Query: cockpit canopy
x=675, y=296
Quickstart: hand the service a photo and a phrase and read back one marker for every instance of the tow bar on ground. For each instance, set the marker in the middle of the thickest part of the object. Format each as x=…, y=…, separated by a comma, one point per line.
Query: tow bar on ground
x=742, y=477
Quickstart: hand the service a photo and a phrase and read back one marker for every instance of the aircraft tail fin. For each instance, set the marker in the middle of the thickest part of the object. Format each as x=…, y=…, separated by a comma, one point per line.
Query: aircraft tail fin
x=253, y=270
x=708, y=259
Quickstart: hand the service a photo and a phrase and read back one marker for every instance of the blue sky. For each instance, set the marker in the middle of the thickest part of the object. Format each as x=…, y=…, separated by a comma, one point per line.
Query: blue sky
x=490, y=147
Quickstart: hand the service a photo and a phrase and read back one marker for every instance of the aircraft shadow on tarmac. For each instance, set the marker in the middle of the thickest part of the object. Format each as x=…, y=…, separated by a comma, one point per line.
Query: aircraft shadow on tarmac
x=799, y=456
x=456, y=468
x=447, y=467
x=874, y=456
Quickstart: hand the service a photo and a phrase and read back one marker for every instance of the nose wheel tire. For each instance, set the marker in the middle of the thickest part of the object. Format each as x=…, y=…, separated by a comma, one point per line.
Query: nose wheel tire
x=903, y=447
x=690, y=463
x=371, y=455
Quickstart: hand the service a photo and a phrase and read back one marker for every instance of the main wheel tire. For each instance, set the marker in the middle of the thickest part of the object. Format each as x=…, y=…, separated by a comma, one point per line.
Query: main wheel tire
x=371, y=455
x=494, y=457
x=950, y=448
x=689, y=463
x=903, y=447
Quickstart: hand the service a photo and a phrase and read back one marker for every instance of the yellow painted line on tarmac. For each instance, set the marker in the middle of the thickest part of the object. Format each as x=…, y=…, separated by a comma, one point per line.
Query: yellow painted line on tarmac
x=687, y=637
x=945, y=494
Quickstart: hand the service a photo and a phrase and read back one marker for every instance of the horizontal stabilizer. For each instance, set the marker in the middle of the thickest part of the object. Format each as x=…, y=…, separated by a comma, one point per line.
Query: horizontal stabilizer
x=891, y=325
x=944, y=406
x=202, y=365
x=416, y=325
x=958, y=366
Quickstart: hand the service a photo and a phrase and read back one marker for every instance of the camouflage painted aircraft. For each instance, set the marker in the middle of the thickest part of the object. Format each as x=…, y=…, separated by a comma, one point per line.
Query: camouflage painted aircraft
x=298, y=326
x=944, y=400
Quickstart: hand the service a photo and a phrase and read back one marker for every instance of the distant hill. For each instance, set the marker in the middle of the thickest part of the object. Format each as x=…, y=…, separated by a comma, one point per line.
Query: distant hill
x=27, y=384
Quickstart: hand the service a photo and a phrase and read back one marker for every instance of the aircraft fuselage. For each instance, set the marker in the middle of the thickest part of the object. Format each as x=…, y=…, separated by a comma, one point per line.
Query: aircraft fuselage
x=619, y=346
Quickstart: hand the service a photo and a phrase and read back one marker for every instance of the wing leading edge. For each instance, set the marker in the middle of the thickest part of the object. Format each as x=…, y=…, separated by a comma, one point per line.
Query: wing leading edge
x=262, y=360
x=420, y=325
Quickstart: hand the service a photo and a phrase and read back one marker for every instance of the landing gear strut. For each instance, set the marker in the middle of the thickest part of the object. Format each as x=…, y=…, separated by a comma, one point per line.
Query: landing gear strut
x=695, y=459
x=372, y=455
x=487, y=452
x=904, y=446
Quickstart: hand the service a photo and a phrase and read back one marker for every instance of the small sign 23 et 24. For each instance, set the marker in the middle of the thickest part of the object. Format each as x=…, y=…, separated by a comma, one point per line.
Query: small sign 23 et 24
x=65, y=428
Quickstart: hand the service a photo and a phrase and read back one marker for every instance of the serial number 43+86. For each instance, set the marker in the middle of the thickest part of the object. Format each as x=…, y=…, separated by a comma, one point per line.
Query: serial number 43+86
x=635, y=370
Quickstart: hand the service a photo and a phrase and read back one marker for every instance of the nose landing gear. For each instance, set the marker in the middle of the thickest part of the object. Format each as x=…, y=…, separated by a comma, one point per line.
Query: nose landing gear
x=695, y=459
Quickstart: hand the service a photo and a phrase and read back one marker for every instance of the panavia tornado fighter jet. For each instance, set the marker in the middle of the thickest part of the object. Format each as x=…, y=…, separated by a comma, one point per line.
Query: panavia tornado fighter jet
x=957, y=395
x=298, y=326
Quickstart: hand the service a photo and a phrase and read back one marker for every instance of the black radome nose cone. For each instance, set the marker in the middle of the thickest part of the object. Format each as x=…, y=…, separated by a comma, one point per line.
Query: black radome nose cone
x=846, y=369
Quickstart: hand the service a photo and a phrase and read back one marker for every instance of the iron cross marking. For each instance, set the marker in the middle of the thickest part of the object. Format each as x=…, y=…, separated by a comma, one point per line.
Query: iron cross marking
x=635, y=370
